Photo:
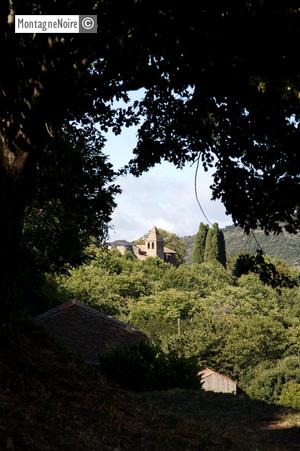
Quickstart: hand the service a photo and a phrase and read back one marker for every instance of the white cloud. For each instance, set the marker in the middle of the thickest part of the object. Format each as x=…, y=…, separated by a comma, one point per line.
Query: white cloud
x=164, y=197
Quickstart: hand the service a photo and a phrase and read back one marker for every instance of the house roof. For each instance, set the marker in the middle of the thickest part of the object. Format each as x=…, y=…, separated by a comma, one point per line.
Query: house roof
x=154, y=235
x=87, y=331
x=208, y=372
x=142, y=248
x=168, y=251
x=120, y=243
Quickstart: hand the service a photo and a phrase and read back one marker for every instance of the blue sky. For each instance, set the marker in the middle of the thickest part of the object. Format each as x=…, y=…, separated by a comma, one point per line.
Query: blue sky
x=164, y=196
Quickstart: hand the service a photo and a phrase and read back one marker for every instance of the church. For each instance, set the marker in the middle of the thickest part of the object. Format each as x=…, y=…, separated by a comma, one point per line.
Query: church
x=153, y=247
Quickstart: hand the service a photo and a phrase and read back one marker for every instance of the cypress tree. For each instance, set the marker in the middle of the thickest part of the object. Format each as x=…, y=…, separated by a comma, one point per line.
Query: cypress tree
x=211, y=251
x=215, y=246
x=222, y=249
x=199, y=244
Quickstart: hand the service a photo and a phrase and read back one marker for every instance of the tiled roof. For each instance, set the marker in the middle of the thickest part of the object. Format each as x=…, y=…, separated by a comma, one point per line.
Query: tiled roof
x=168, y=251
x=87, y=331
x=142, y=247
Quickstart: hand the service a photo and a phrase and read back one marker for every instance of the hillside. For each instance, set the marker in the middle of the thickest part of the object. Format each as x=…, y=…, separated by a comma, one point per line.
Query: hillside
x=285, y=246
x=51, y=402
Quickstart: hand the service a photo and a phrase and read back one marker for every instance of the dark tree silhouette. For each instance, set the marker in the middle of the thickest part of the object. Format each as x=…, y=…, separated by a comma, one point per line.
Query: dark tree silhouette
x=217, y=86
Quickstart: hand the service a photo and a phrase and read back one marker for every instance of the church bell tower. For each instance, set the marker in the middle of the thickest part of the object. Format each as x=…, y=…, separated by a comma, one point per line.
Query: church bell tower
x=155, y=244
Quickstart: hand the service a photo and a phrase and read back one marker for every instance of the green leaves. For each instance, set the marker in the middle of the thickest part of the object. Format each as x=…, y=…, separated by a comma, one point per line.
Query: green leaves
x=239, y=326
x=72, y=202
x=144, y=367
x=290, y=395
x=209, y=245
x=268, y=272
x=199, y=244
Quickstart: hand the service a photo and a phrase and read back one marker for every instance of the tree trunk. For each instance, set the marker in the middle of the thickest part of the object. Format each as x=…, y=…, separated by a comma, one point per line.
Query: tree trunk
x=12, y=206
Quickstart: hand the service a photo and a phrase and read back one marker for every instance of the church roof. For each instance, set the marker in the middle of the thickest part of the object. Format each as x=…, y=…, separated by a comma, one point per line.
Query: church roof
x=143, y=249
x=154, y=235
x=168, y=251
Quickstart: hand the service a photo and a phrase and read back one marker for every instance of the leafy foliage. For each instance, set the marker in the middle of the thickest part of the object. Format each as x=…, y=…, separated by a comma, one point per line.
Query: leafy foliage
x=72, y=202
x=222, y=248
x=174, y=242
x=66, y=405
x=225, y=107
x=239, y=326
x=285, y=247
x=199, y=244
x=143, y=367
x=215, y=246
x=270, y=378
x=267, y=271
x=290, y=395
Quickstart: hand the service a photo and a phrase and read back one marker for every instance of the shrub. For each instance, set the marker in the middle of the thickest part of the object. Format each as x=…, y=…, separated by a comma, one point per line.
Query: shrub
x=290, y=395
x=268, y=382
x=144, y=367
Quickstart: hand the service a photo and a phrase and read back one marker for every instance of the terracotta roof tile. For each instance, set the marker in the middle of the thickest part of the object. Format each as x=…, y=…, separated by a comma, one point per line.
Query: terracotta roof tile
x=87, y=331
x=168, y=251
x=142, y=247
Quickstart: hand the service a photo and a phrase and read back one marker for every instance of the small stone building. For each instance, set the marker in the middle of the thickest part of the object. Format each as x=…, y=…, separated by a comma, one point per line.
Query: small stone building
x=153, y=247
x=86, y=331
x=217, y=382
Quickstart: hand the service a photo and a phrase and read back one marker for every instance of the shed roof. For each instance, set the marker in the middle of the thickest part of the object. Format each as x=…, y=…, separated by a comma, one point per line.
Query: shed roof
x=208, y=372
x=87, y=331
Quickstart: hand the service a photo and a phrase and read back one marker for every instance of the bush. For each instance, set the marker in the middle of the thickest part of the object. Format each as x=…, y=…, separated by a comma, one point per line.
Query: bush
x=268, y=383
x=290, y=395
x=144, y=367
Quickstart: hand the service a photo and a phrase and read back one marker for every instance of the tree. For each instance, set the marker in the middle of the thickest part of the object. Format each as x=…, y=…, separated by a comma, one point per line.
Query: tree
x=174, y=242
x=269, y=274
x=199, y=244
x=269, y=379
x=222, y=248
x=72, y=202
x=215, y=246
x=211, y=250
x=290, y=395
x=232, y=104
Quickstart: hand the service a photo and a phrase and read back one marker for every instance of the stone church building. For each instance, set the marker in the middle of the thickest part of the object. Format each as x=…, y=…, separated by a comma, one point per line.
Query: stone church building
x=153, y=247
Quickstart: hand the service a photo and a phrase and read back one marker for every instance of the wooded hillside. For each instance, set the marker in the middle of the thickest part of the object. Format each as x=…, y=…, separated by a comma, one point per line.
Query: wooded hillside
x=284, y=246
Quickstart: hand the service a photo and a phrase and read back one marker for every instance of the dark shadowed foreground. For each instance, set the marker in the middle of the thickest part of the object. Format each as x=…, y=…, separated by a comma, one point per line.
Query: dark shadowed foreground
x=49, y=401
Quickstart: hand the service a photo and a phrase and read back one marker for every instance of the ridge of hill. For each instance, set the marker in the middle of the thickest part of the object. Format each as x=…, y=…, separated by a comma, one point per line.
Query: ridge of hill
x=284, y=246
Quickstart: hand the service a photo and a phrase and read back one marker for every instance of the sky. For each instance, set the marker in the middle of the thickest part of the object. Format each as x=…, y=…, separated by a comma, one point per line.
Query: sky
x=164, y=196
